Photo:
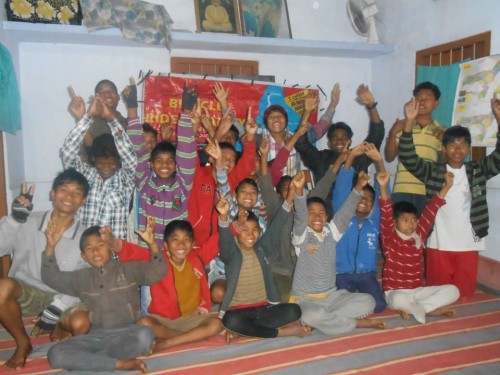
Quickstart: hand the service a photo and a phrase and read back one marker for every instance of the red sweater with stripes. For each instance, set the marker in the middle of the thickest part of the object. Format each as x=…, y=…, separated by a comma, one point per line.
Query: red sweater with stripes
x=403, y=265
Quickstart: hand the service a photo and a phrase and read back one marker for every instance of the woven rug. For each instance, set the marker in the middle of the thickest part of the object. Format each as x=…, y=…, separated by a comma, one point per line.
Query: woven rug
x=468, y=343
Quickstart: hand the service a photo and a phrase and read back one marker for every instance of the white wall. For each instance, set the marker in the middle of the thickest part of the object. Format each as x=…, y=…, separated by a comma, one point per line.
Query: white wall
x=45, y=70
x=413, y=25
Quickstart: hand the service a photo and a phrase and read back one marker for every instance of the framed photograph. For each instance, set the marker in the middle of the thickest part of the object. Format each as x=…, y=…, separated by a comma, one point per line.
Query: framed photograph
x=265, y=18
x=217, y=16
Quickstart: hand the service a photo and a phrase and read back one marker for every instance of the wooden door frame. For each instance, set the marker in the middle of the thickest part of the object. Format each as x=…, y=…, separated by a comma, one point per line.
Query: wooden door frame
x=5, y=260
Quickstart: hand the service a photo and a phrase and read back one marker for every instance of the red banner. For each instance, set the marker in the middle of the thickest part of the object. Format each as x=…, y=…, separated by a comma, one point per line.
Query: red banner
x=163, y=100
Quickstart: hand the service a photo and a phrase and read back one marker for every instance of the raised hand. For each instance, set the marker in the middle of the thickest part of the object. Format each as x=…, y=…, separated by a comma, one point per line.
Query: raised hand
x=311, y=101
x=189, y=98
x=77, y=104
x=372, y=152
x=383, y=179
x=129, y=94
x=364, y=95
x=107, y=237
x=448, y=184
x=299, y=180
x=250, y=124
x=106, y=113
x=448, y=179
x=342, y=158
x=206, y=122
x=22, y=205
x=148, y=235
x=53, y=234
x=214, y=150
x=363, y=179
x=264, y=146
x=334, y=97
x=242, y=217
x=195, y=116
x=166, y=130
x=223, y=207
x=358, y=150
x=95, y=107
x=411, y=109
x=221, y=94
x=26, y=196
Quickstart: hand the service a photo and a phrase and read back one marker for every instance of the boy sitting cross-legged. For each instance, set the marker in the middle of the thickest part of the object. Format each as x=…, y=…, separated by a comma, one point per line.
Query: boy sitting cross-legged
x=181, y=300
x=250, y=306
x=403, y=239
x=324, y=307
x=357, y=249
x=110, y=291
x=22, y=238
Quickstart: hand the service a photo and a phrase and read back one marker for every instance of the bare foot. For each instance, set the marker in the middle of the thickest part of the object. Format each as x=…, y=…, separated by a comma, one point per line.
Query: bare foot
x=229, y=336
x=131, y=364
x=442, y=311
x=18, y=359
x=404, y=315
x=59, y=334
x=295, y=329
x=160, y=344
x=370, y=323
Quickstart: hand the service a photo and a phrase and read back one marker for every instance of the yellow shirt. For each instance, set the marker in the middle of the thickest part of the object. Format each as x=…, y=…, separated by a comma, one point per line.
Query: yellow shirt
x=427, y=144
x=188, y=288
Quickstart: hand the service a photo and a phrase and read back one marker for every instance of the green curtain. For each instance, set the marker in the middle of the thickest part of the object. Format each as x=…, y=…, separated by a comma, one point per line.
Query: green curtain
x=446, y=78
x=10, y=101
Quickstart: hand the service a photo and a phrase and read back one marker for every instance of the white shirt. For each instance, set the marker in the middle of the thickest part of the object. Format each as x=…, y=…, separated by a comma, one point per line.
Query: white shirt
x=452, y=228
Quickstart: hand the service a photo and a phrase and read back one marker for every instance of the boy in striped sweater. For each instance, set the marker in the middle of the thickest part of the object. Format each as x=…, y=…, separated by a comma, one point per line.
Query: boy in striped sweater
x=403, y=238
x=324, y=307
x=461, y=225
x=164, y=180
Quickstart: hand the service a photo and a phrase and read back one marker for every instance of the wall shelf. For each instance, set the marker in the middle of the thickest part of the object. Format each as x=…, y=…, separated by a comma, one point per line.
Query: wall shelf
x=23, y=32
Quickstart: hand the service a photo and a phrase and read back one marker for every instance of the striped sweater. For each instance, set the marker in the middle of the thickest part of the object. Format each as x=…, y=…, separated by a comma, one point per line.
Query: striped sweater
x=164, y=201
x=403, y=260
x=432, y=174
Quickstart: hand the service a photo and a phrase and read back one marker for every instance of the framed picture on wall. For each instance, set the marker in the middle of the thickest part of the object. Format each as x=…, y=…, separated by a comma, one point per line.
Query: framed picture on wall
x=265, y=18
x=217, y=16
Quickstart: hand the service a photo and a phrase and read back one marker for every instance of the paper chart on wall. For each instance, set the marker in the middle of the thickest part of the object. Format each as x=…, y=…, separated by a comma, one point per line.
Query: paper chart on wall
x=479, y=80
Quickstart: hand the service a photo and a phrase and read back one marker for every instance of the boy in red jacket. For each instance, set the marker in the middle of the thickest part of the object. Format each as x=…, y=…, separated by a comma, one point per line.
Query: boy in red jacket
x=180, y=304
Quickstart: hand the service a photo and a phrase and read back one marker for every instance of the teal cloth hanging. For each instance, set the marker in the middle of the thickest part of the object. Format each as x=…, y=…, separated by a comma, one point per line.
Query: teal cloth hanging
x=10, y=101
x=446, y=78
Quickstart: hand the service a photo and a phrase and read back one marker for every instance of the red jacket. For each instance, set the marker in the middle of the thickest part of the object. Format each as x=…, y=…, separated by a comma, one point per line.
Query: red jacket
x=202, y=199
x=164, y=301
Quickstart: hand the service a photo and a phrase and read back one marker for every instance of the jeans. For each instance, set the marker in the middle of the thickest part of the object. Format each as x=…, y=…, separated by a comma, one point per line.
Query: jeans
x=365, y=282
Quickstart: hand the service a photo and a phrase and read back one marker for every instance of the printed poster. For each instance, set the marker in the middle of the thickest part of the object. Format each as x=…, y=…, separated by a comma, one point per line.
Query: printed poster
x=479, y=80
x=163, y=100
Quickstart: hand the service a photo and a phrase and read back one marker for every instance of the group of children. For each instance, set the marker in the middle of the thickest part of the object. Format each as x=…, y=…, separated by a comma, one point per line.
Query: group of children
x=233, y=241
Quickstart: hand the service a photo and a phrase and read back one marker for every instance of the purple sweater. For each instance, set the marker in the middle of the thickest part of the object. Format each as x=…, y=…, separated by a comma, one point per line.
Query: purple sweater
x=163, y=201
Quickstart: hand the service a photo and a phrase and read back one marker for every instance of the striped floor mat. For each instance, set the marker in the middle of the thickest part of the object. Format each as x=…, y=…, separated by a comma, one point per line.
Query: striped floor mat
x=468, y=343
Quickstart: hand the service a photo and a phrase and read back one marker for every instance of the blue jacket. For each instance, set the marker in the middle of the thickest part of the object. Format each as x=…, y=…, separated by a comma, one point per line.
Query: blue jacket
x=357, y=249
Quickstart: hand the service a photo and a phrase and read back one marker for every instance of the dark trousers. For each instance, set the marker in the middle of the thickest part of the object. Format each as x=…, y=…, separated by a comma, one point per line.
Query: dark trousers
x=261, y=321
x=365, y=282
